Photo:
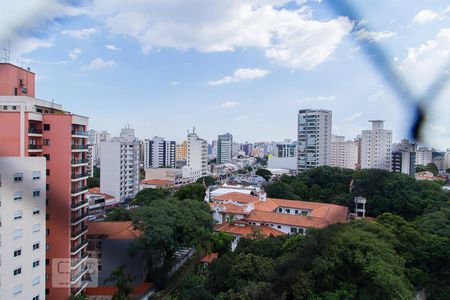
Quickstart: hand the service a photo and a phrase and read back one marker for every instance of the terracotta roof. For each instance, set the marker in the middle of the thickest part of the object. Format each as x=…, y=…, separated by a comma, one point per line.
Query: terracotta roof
x=114, y=230
x=210, y=258
x=96, y=190
x=246, y=229
x=229, y=208
x=238, y=197
x=104, y=290
x=159, y=182
x=287, y=219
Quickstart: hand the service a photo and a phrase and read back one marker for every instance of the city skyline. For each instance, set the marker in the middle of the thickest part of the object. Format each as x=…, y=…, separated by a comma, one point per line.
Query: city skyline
x=244, y=81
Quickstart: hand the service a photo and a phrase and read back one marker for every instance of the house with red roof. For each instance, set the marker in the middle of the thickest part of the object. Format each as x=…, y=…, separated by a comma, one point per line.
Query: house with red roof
x=99, y=203
x=240, y=214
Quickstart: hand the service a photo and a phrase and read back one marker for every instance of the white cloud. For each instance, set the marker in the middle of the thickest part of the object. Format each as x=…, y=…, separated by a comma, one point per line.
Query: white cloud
x=229, y=104
x=174, y=83
x=425, y=16
x=317, y=99
x=353, y=117
x=290, y=38
x=73, y=55
x=80, y=33
x=112, y=47
x=241, y=74
x=427, y=61
x=374, y=36
x=100, y=64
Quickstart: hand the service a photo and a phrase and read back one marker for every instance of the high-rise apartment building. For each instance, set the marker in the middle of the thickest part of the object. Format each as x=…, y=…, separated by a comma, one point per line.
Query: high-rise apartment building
x=159, y=153
x=196, y=158
x=404, y=157
x=358, y=142
x=119, y=168
x=424, y=156
x=94, y=140
x=314, y=138
x=344, y=154
x=29, y=128
x=181, y=151
x=376, y=147
x=224, y=148
x=22, y=229
x=286, y=149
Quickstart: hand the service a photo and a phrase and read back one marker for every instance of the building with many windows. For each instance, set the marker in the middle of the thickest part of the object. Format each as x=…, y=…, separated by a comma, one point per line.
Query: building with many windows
x=119, y=175
x=159, y=153
x=344, y=154
x=196, y=158
x=424, y=156
x=31, y=127
x=22, y=227
x=376, y=147
x=224, y=148
x=404, y=157
x=314, y=138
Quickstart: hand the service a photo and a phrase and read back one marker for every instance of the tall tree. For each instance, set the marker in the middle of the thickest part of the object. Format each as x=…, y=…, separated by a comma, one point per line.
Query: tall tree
x=122, y=283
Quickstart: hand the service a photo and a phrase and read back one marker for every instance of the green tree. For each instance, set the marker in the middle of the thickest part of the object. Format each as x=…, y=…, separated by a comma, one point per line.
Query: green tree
x=118, y=214
x=432, y=168
x=78, y=297
x=141, y=173
x=122, y=283
x=280, y=190
x=264, y=173
x=194, y=191
x=222, y=242
x=147, y=195
x=209, y=180
x=93, y=182
x=203, y=241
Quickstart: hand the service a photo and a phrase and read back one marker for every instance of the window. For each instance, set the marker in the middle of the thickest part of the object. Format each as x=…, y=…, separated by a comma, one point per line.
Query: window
x=18, y=252
x=36, y=228
x=47, y=217
x=36, y=211
x=17, y=215
x=18, y=177
x=296, y=211
x=36, y=175
x=293, y=230
x=47, y=156
x=18, y=233
x=280, y=210
x=47, y=261
x=36, y=280
x=17, y=271
x=14, y=107
x=36, y=297
x=46, y=142
x=288, y=210
x=46, y=127
x=47, y=172
x=48, y=232
x=17, y=289
x=15, y=91
x=5, y=107
x=36, y=193
x=36, y=263
x=36, y=246
x=278, y=226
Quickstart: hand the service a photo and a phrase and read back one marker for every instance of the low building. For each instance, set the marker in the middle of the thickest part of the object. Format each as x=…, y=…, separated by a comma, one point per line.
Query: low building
x=100, y=203
x=209, y=258
x=140, y=292
x=108, y=242
x=171, y=174
x=155, y=183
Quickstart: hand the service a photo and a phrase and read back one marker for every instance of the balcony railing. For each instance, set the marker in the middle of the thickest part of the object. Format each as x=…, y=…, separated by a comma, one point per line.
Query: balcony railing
x=80, y=189
x=76, y=176
x=34, y=147
x=80, y=217
x=79, y=161
x=81, y=245
x=78, y=204
x=75, y=276
x=79, y=132
x=78, y=231
x=76, y=261
x=34, y=130
x=79, y=147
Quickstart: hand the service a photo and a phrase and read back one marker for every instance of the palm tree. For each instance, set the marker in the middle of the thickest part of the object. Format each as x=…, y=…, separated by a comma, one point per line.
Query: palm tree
x=123, y=283
x=231, y=218
x=203, y=242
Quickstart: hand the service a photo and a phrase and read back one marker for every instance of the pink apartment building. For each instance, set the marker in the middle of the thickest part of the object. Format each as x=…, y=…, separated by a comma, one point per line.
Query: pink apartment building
x=34, y=127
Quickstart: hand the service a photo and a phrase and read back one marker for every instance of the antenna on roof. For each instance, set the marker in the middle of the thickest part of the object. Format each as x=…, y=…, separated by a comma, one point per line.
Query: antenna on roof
x=7, y=51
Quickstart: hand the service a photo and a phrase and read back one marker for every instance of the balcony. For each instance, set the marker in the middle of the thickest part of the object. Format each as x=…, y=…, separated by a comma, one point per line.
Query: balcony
x=79, y=190
x=80, y=133
x=77, y=220
x=76, y=249
x=77, y=290
x=74, y=278
x=76, y=262
x=78, y=232
x=79, y=147
x=79, y=161
x=76, y=177
x=35, y=131
x=78, y=205
x=35, y=147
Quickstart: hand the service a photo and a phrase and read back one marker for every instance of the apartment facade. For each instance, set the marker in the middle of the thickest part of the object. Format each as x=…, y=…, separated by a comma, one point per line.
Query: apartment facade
x=344, y=154
x=196, y=158
x=22, y=227
x=376, y=147
x=31, y=127
x=424, y=156
x=404, y=157
x=119, y=169
x=159, y=153
x=224, y=148
x=314, y=138
x=287, y=149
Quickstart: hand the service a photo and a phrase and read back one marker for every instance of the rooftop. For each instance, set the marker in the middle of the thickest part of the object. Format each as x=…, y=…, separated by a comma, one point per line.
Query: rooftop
x=247, y=230
x=123, y=230
x=138, y=290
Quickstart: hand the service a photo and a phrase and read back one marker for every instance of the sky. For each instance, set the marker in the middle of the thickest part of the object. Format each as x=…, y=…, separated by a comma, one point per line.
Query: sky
x=244, y=67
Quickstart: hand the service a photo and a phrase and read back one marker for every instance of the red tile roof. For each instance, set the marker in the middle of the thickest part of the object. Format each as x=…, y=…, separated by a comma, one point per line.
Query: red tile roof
x=238, y=197
x=229, y=208
x=210, y=258
x=122, y=230
x=96, y=190
x=286, y=219
x=246, y=230
x=103, y=290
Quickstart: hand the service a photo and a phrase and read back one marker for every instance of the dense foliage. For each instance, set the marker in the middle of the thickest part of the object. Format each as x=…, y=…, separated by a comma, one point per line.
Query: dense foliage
x=264, y=173
x=385, y=191
x=191, y=191
x=208, y=180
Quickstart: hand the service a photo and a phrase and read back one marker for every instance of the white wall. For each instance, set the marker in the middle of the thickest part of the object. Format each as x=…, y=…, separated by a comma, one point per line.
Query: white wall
x=8, y=167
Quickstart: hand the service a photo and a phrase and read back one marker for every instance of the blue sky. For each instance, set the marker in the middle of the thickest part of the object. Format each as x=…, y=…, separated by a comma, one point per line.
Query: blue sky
x=243, y=67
